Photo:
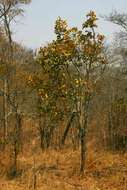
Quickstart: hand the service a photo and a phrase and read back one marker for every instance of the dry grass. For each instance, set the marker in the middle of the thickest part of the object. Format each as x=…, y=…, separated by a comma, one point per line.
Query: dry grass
x=59, y=170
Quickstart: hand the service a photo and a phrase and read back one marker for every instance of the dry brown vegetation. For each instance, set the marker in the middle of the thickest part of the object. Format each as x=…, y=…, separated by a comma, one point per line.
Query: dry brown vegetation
x=63, y=109
x=59, y=169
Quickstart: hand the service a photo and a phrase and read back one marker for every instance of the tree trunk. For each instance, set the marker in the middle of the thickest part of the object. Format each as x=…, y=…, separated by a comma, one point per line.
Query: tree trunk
x=83, y=151
x=6, y=105
x=83, y=146
x=19, y=130
x=67, y=128
x=17, y=140
x=5, y=109
x=41, y=130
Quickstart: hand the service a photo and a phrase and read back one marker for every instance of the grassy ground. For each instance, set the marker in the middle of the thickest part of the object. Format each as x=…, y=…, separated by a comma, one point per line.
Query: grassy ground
x=59, y=170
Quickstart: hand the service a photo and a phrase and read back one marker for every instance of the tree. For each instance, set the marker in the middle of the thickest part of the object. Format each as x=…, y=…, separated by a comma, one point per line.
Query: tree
x=118, y=18
x=9, y=11
x=117, y=86
x=71, y=67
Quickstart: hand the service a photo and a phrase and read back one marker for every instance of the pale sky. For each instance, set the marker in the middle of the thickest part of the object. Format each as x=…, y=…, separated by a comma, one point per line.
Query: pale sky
x=37, y=25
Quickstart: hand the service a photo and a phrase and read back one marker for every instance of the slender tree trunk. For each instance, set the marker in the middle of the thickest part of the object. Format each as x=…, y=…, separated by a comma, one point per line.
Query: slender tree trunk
x=83, y=152
x=41, y=130
x=17, y=144
x=50, y=136
x=83, y=131
x=83, y=135
x=6, y=105
x=5, y=109
x=15, y=155
x=19, y=130
x=8, y=33
x=67, y=128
